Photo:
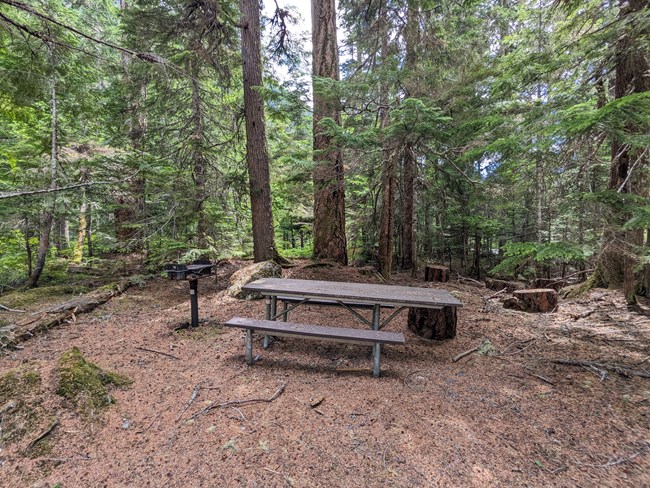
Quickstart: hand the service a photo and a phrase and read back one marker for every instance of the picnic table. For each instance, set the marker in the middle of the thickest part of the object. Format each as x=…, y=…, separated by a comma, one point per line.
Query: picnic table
x=347, y=295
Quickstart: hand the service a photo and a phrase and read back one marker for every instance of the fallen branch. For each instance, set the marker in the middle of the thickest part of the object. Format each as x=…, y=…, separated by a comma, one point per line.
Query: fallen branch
x=466, y=353
x=158, y=352
x=193, y=396
x=477, y=283
x=539, y=376
x=616, y=462
x=495, y=294
x=215, y=405
x=2, y=307
x=44, y=434
x=623, y=371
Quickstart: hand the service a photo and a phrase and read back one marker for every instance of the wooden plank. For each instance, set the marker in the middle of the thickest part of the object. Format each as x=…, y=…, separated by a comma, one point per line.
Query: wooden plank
x=355, y=292
x=339, y=334
x=328, y=303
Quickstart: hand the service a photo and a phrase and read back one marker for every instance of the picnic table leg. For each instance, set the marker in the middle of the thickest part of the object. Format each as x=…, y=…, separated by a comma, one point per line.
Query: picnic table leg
x=265, y=343
x=285, y=314
x=271, y=311
x=376, y=349
x=249, y=346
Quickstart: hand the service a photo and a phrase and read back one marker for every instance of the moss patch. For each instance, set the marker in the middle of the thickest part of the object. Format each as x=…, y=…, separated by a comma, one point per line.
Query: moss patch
x=86, y=384
x=21, y=399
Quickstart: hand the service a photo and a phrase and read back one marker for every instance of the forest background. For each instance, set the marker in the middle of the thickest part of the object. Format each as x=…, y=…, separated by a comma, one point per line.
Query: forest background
x=502, y=137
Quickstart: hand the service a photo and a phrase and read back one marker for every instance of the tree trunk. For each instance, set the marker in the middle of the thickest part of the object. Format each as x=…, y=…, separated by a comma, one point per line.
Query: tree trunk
x=48, y=214
x=477, y=255
x=412, y=39
x=28, y=249
x=329, y=194
x=77, y=254
x=198, y=158
x=89, y=233
x=257, y=155
x=628, y=170
x=388, y=170
x=408, y=209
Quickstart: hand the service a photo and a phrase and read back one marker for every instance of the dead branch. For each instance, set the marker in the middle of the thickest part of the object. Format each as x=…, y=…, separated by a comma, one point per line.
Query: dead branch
x=477, y=283
x=193, y=396
x=54, y=190
x=539, y=376
x=158, y=352
x=494, y=294
x=2, y=307
x=465, y=353
x=215, y=405
x=45, y=433
x=623, y=371
x=621, y=460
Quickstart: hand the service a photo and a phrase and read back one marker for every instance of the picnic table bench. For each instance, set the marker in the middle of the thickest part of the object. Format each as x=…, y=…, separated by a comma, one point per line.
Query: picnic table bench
x=305, y=331
x=350, y=296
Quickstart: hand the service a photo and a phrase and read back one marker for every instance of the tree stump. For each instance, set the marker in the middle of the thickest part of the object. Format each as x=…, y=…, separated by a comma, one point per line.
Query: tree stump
x=432, y=323
x=498, y=285
x=540, y=300
x=434, y=272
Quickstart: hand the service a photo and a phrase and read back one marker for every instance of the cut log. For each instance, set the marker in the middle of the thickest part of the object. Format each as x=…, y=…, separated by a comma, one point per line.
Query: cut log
x=540, y=300
x=556, y=283
x=498, y=285
x=432, y=323
x=434, y=272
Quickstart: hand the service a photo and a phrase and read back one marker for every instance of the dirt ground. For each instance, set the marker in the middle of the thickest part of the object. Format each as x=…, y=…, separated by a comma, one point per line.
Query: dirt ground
x=506, y=415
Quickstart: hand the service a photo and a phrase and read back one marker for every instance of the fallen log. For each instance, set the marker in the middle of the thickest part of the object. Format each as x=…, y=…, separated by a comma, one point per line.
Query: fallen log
x=66, y=311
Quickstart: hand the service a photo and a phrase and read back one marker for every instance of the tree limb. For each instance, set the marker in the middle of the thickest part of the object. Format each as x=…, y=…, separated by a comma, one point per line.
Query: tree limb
x=51, y=190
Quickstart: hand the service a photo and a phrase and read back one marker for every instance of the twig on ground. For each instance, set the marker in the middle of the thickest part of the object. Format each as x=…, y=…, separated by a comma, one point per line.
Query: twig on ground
x=544, y=379
x=615, y=462
x=286, y=478
x=623, y=371
x=158, y=352
x=465, y=353
x=494, y=295
x=215, y=405
x=193, y=396
x=477, y=283
x=2, y=307
x=239, y=412
x=44, y=434
x=383, y=457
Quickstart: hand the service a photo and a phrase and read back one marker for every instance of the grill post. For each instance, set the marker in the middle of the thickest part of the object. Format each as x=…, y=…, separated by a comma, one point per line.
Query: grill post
x=194, y=301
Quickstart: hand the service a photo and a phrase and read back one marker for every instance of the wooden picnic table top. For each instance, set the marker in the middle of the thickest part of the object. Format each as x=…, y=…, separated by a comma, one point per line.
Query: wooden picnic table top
x=360, y=292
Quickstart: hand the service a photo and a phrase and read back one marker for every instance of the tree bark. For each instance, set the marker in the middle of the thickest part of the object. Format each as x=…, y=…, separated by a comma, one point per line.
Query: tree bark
x=329, y=193
x=409, y=170
x=77, y=254
x=198, y=158
x=257, y=155
x=388, y=173
x=408, y=209
x=48, y=214
x=628, y=169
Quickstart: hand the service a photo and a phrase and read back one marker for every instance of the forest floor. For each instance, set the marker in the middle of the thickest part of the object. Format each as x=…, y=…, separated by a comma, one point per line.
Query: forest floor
x=506, y=415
